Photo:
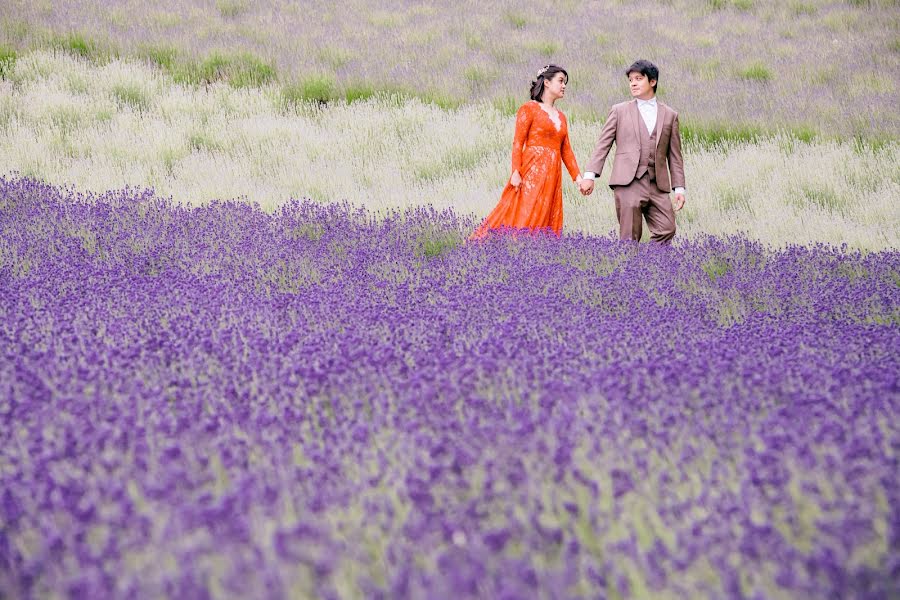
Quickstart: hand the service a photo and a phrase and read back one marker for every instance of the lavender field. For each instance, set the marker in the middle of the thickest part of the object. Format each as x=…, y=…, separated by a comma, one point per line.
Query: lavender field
x=222, y=402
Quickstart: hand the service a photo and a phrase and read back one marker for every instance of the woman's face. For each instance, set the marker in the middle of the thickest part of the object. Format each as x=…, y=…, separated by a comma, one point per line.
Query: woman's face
x=556, y=86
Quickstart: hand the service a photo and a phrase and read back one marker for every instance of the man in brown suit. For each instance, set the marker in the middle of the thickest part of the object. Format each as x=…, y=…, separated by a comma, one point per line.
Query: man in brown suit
x=647, y=164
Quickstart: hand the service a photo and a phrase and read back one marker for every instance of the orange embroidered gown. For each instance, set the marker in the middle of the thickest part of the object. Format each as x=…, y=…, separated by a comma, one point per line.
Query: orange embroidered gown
x=538, y=146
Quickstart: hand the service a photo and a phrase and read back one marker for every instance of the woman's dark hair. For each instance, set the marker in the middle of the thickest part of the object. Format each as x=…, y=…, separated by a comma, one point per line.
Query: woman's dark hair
x=545, y=74
x=645, y=68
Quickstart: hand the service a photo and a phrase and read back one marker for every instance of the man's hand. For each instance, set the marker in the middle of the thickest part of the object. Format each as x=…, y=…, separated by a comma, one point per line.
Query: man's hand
x=586, y=186
x=515, y=179
x=678, y=202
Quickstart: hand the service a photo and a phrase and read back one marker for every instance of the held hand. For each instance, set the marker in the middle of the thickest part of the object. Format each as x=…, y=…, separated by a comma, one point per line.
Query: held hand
x=515, y=179
x=678, y=202
x=586, y=186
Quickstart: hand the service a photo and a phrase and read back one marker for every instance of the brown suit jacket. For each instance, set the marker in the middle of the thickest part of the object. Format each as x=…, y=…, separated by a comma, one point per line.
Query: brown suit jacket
x=621, y=127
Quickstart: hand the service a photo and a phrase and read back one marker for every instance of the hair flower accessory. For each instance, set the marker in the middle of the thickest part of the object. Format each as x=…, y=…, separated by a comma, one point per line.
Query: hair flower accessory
x=542, y=71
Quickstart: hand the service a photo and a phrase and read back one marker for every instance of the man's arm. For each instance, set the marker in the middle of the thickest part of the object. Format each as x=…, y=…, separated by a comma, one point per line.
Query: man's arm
x=676, y=166
x=604, y=144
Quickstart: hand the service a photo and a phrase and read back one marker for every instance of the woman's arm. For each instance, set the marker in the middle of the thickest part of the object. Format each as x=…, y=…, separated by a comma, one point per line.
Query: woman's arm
x=568, y=157
x=524, y=118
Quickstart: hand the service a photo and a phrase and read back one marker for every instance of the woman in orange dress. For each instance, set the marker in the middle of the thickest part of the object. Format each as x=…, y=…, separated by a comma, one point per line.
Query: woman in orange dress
x=532, y=199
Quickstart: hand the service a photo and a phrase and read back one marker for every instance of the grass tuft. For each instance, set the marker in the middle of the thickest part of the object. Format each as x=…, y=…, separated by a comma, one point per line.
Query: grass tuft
x=161, y=55
x=756, y=72
x=131, y=96
x=320, y=89
x=715, y=267
x=546, y=49
x=799, y=8
x=7, y=61
x=232, y=8
x=822, y=196
x=437, y=243
x=359, y=92
x=714, y=134
x=517, y=20
x=238, y=70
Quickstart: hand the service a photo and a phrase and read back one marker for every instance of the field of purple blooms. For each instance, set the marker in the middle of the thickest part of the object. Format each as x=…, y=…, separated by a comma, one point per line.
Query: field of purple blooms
x=221, y=402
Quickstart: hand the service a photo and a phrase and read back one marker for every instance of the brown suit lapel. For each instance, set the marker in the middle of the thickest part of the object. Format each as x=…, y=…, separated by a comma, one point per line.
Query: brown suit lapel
x=660, y=115
x=635, y=120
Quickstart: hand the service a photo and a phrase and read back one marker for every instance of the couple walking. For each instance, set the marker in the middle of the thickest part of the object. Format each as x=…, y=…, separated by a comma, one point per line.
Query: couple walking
x=646, y=168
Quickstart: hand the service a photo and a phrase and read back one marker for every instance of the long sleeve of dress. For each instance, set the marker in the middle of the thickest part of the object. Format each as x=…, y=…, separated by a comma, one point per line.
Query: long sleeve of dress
x=524, y=117
x=568, y=158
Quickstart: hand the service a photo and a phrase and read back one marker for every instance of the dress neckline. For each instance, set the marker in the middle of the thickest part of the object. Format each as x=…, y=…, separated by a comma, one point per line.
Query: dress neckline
x=557, y=122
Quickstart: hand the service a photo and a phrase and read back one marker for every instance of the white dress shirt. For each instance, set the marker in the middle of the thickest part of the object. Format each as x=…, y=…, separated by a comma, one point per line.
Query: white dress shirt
x=648, y=110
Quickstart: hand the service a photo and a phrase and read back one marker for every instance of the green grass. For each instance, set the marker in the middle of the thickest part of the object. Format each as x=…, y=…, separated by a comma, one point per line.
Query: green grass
x=162, y=55
x=320, y=89
x=7, y=60
x=478, y=76
x=334, y=57
x=545, y=49
x=713, y=134
x=239, y=70
x=517, y=20
x=734, y=199
x=800, y=9
x=820, y=195
x=232, y=8
x=83, y=46
x=507, y=105
x=715, y=267
x=130, y=95
x=203, y=141
x=756, y=72
x=453, y=162
x=358, y=92
x=436, y=243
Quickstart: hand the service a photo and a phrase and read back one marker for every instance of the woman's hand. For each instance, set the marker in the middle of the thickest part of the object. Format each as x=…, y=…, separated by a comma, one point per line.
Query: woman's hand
x=515, y=179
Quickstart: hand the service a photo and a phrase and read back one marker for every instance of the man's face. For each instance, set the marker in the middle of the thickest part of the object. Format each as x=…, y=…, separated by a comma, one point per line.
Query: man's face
x=641, y=87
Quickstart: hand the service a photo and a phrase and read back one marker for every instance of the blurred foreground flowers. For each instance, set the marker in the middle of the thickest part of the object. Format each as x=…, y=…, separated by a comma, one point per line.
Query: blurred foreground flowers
x=221, y=402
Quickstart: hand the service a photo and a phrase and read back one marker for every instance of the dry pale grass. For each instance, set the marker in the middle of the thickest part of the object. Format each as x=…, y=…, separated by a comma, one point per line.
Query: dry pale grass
x=102, y=127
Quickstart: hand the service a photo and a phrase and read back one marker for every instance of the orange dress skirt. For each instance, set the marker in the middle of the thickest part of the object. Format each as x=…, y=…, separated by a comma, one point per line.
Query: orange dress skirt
x=540, y=145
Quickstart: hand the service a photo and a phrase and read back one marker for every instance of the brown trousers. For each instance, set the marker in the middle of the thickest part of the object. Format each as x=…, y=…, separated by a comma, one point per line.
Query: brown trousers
x=642, y=199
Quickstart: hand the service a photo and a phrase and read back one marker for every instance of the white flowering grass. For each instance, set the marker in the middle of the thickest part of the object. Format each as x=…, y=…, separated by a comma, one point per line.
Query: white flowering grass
x=67, y=121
